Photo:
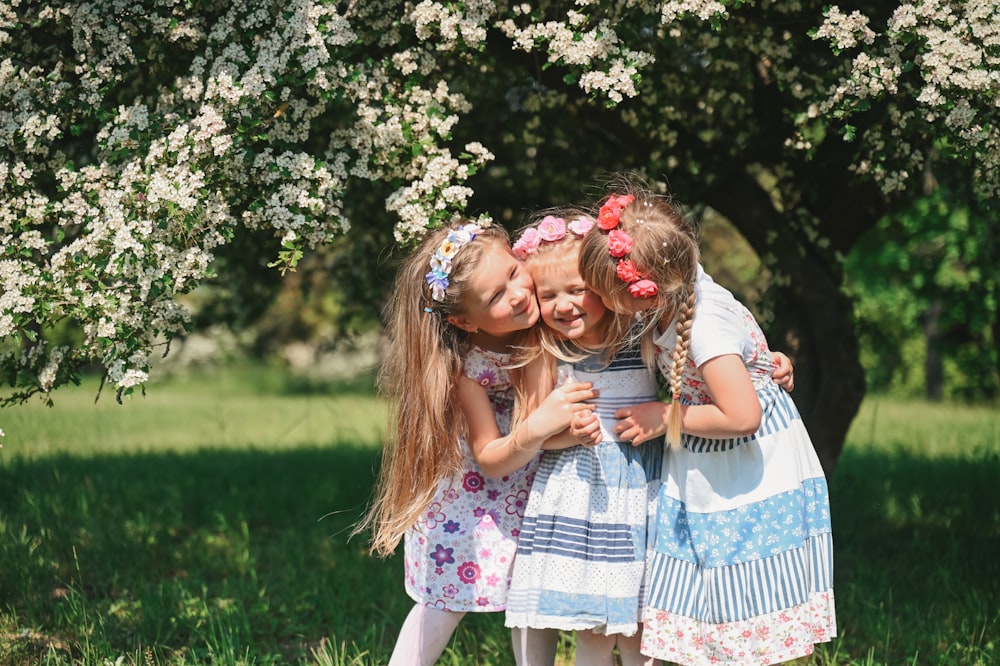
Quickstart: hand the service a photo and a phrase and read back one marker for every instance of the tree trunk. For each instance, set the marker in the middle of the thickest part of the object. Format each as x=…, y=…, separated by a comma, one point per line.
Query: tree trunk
x=814, y=319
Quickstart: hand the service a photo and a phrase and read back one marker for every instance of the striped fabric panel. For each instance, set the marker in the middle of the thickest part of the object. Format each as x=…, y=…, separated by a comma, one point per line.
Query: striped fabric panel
x=608, y=405
x=578, y=539
x=742, y=591
x=821, y=557
x=778, y=412
x=629, y=358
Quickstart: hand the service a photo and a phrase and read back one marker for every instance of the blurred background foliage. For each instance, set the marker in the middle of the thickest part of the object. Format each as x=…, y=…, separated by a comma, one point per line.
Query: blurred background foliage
x=924, y=284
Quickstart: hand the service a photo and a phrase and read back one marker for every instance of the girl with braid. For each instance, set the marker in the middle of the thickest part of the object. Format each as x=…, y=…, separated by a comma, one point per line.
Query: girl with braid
x=740, y=568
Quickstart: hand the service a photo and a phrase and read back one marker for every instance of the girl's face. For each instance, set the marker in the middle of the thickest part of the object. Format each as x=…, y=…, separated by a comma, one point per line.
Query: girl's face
x=567, y=306
x=500, y=297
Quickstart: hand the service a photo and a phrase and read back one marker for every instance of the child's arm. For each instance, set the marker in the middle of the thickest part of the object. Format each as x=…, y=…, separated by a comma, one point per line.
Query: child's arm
x=735, y=411
x=498, y=455
x=643, y=422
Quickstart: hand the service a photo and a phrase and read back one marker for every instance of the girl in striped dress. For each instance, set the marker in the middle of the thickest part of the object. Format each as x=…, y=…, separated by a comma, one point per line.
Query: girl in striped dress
x=740, y=570
x=581, y=554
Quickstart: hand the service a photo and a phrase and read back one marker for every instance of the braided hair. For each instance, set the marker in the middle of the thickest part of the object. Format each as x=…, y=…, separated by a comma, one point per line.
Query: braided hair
x=662, y=251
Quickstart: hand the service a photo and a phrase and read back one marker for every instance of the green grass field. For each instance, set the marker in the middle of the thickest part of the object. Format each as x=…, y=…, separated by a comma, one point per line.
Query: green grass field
x=206, y=523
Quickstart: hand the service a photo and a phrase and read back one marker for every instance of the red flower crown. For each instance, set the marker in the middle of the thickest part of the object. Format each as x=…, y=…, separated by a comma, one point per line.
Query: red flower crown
x=620, y=244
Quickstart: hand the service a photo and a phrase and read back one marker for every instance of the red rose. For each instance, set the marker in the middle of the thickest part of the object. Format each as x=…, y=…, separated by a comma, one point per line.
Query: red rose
x=609, y=216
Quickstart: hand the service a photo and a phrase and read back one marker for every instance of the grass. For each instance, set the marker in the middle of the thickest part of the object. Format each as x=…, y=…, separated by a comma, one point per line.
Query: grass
x=207, y=524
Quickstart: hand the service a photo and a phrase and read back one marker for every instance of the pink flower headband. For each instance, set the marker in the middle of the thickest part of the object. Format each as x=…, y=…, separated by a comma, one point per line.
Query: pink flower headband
x=620, y=244
x=550, y=229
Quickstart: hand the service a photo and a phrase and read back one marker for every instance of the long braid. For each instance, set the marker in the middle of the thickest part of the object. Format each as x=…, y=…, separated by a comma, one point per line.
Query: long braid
x=662, y=248
x=681, y=347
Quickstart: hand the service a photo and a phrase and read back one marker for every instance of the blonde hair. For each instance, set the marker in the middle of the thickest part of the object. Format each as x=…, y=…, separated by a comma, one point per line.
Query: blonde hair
x=545, y=341
x=665, y=251
x=420, y=370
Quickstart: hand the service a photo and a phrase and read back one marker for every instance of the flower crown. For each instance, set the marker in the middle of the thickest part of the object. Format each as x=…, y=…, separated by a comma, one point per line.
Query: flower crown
x=550, y=229
x=620, y=244
x=437, y=278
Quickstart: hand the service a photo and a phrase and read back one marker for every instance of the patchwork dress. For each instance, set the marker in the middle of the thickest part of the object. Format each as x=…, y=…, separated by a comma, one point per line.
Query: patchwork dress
x=742, y=563
x=458, y=557
x=581, y=558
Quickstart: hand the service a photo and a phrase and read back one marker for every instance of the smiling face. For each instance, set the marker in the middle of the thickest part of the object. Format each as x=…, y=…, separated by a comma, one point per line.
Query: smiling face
x=566, y=305
x=499, y=297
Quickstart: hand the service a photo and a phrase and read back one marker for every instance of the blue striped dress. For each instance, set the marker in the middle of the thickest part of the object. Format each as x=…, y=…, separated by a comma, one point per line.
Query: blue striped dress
x=580, y=561
x=741, y=570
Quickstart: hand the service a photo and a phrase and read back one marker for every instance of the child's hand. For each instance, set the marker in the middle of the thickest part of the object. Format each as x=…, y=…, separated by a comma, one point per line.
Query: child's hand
x=784, y=373
x=586, y=428
x=564, y=403
x=643, y=422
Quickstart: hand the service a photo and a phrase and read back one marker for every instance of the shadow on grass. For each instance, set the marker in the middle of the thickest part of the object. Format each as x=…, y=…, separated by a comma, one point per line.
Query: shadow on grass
x=208, y=552
x=246, y=553
x=916, y=566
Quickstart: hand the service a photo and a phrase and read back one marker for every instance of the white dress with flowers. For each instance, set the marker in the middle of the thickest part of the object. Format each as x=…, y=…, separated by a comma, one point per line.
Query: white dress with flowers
x=459, y=555
x=741, y=570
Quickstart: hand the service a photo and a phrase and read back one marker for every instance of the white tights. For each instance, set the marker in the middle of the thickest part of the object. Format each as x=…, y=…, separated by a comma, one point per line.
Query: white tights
x=599, y=650
x=424, y=635
x=426, y=631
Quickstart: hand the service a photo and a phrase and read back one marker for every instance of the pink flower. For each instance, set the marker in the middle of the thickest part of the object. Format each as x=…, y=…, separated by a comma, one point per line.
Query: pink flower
x=527, y=243
x=619, y=243
x=581, y=225
x=643, y=289
x=468, y=572
x=627, y=271
x=552, y=228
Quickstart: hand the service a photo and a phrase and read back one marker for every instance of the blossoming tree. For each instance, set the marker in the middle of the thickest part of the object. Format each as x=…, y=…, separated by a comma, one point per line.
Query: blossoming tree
x=138, y=137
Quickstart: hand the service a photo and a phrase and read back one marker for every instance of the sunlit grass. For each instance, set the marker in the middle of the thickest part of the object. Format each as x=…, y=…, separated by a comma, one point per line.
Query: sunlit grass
x=207, y=524
x=235, y=407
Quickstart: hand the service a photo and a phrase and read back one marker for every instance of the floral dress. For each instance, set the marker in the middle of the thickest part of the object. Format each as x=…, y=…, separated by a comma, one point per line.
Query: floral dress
x=741, y=570
x=458, y=557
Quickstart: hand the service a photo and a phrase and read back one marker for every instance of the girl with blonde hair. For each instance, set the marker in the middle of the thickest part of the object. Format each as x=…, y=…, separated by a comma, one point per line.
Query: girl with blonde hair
x=459, y=462
x=582, y=549
x=740, y=569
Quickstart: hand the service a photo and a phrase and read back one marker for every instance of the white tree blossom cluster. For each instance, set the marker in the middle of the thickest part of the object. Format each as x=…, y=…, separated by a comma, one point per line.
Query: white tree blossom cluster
x=137, y=136
x=937, y=64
